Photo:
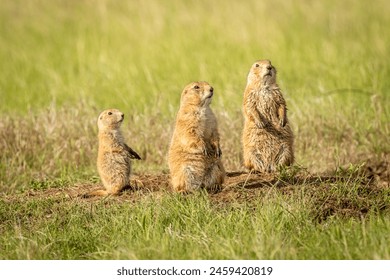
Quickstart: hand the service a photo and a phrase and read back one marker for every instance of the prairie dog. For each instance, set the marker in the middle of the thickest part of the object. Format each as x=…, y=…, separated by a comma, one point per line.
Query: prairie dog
x=194, y=156
x=114, y=156
x=267, y=137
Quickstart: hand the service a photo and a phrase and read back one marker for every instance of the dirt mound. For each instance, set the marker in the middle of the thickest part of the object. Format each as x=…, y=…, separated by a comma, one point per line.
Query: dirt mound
x=343, y=193
x=377, y=171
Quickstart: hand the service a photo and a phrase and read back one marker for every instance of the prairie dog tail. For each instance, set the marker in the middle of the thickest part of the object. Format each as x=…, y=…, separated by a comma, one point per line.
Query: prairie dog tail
x=96, y=193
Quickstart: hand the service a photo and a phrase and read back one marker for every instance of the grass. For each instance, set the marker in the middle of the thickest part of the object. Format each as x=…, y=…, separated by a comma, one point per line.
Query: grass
x=64, y=62
x=176, y=227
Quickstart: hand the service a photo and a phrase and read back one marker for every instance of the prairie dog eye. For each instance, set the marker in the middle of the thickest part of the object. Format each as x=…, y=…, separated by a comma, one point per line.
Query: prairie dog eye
x=196, y=87
x=257, y=65
x=110, y=113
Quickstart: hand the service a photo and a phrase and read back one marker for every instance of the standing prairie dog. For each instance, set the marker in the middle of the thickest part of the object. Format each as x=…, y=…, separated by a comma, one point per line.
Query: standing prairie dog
x=194, y=156
x=267, y=136
x=114, y=155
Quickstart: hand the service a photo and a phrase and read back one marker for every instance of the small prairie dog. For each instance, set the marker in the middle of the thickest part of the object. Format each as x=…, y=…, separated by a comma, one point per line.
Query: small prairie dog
x=114, y=155
x=194, y=156
x=267, y=136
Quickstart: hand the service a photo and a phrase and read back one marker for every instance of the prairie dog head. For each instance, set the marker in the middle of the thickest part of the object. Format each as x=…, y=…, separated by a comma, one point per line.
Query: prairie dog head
x=110, y=119
x=262, y=73
x=197, y=93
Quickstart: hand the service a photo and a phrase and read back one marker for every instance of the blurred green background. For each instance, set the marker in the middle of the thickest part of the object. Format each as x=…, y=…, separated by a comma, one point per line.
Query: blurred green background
x=138, y=55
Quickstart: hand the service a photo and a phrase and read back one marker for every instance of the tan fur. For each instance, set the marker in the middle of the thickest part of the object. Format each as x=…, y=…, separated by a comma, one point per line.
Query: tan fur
x=267, y=136
x=114, y=155
x=194, y=156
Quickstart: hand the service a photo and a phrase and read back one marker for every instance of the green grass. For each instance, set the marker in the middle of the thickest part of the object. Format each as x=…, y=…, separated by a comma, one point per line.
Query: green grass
x=62, y=62
x=176, y=227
